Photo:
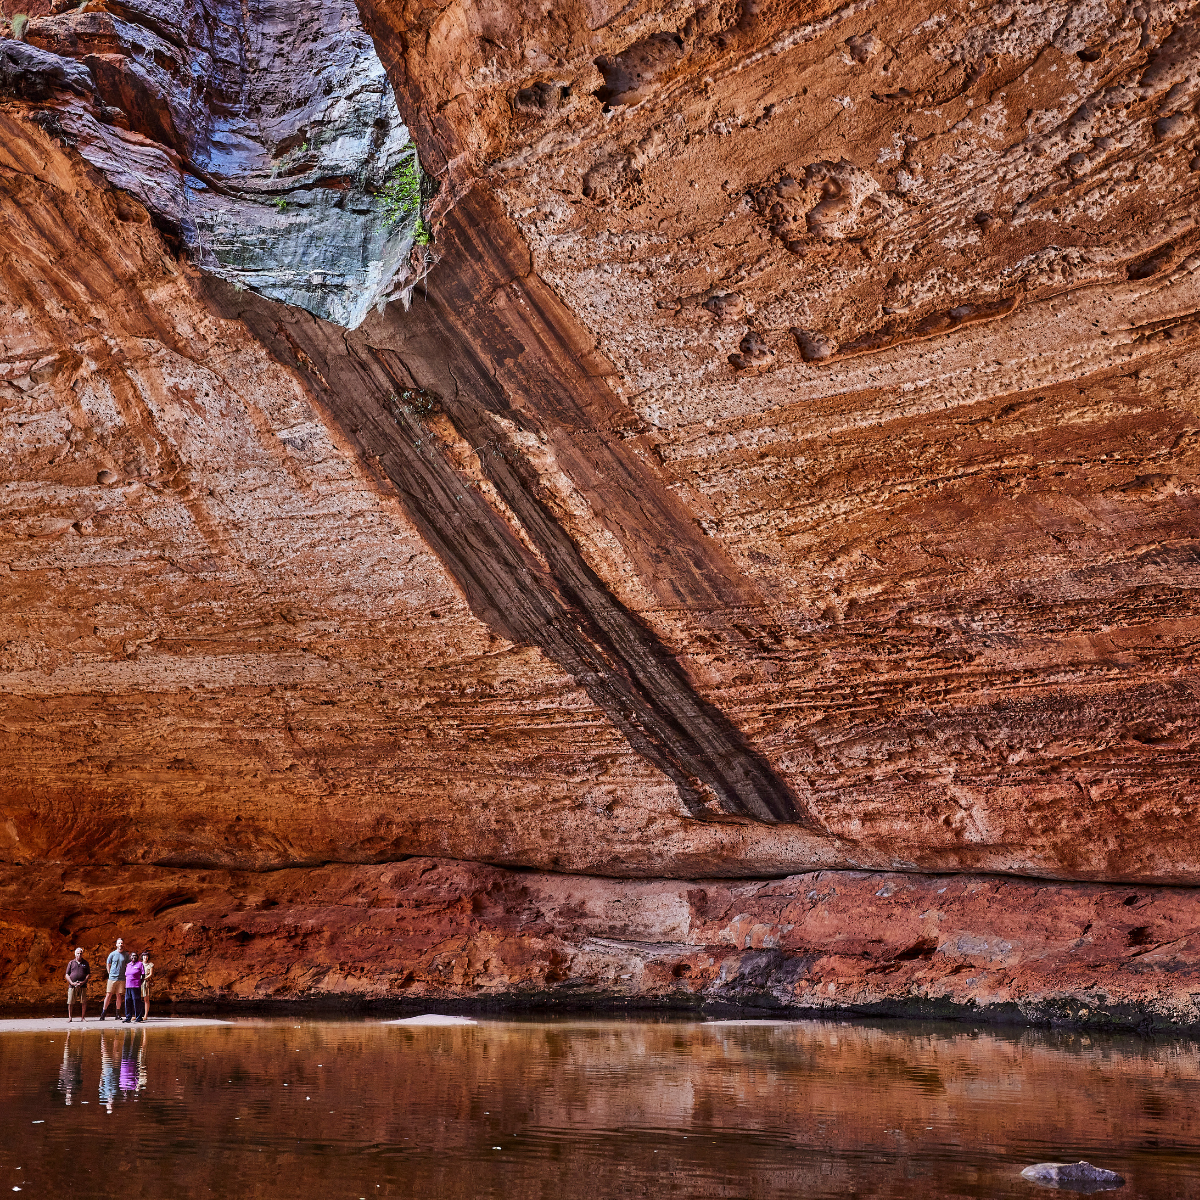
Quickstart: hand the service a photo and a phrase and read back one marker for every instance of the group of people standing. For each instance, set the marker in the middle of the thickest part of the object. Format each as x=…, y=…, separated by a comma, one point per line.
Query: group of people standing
x=128, y=982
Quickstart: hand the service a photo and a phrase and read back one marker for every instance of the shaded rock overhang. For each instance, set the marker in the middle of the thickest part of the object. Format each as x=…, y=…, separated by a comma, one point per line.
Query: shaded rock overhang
x=810, y=386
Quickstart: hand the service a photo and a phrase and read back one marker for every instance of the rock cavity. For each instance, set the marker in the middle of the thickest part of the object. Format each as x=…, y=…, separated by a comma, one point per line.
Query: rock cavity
x=265, y=137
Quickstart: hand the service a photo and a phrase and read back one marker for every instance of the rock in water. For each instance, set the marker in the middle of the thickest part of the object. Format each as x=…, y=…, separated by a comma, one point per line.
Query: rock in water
x=434, y=1019
x=1073, y=1177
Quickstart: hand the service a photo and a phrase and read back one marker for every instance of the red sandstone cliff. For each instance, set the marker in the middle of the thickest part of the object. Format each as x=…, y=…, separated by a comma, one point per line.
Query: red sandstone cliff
x=427, y=931
x=789, y=463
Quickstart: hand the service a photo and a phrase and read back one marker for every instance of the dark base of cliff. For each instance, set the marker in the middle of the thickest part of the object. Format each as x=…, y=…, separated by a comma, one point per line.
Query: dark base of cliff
x=460, y=937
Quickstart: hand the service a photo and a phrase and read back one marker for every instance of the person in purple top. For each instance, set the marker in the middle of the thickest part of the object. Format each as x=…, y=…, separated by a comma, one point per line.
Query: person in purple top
x=135, y=972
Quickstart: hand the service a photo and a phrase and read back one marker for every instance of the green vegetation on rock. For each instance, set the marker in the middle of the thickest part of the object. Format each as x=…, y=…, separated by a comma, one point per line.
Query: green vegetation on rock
x=400, y=199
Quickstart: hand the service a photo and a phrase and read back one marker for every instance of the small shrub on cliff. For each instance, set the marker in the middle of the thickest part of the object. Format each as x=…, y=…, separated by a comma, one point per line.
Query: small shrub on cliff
x=20, y=23
x=400, y=199
x=401, y=195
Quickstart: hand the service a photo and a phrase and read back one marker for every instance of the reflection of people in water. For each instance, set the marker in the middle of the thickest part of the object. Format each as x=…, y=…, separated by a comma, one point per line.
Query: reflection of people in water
x=131, y=1052
x=70, y=1074
x=108, y=1074
x=143, y=1075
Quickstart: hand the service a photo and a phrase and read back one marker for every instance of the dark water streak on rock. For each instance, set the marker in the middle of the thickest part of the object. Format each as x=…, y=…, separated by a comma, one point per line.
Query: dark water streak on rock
x=564, y=608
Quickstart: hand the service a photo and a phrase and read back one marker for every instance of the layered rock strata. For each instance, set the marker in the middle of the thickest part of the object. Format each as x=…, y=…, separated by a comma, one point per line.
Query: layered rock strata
x=892, y=299
x=242, y=570
x=430, y=931
x=789, y=464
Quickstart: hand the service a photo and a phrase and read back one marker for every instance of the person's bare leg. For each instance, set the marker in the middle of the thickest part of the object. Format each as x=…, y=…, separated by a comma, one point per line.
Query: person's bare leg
x=146, y=1003
x=83, y=1007
x=68, y=1006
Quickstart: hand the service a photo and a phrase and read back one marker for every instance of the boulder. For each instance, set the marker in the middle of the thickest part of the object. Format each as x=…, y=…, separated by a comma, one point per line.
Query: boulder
x=1074, y=1177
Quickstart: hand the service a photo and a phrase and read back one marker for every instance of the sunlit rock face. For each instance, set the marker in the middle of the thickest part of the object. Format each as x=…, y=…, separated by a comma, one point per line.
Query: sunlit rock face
x=263, y=136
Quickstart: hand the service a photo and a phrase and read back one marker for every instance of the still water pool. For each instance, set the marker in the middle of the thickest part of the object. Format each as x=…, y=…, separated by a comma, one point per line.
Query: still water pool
x=586, y=1109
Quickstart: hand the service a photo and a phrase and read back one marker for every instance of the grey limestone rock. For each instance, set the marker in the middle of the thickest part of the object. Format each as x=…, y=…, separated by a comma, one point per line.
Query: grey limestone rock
x=263, y=135
x=1073, y=1177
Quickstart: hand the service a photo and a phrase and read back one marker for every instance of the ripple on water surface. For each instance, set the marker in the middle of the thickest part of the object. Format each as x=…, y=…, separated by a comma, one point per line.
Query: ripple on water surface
x=587, y=1109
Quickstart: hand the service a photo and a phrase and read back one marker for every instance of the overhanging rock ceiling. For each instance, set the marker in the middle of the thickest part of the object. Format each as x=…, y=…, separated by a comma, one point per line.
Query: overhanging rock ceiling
x=787, y=462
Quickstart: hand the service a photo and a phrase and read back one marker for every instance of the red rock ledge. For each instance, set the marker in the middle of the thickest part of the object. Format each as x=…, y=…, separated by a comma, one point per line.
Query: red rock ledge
x=431, y=930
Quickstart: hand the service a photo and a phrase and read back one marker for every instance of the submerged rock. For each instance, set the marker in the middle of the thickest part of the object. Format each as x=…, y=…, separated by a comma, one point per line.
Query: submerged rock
x=1073, y=1177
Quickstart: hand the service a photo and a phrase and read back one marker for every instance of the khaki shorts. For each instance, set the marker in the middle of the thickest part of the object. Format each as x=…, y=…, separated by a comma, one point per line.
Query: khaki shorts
x=116, y=985
x=76, y=991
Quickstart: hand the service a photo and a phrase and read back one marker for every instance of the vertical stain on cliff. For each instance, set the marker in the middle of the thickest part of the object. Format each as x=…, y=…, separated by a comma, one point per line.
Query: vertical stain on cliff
x=565, y=609
x=520, y=570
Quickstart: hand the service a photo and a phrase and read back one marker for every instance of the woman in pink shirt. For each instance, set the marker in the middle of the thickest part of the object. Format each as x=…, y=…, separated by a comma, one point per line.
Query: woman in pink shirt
x=135, y=972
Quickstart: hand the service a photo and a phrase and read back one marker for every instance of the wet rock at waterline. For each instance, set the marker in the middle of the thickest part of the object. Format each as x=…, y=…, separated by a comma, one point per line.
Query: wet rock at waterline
x=440, y=934
x=1073, y=1177
x=268, y=142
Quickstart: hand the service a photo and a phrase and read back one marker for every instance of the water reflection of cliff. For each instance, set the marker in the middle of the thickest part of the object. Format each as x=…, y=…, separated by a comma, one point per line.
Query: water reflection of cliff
x=588, y=1109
